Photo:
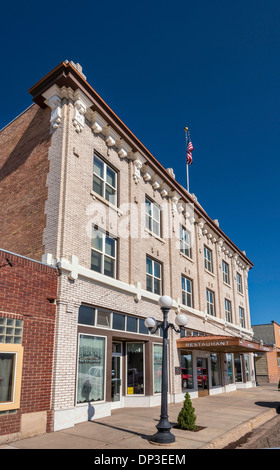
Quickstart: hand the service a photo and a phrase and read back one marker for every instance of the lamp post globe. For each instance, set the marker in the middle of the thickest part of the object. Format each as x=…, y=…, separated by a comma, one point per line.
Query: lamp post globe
x=181, y=320
x=150, y=322
x=165, y=301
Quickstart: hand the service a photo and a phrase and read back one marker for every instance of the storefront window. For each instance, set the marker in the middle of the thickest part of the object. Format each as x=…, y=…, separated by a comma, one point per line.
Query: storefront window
x=7, y=362
x=187, y=371
x=135, y=368
x=91, y=369
x=247, y=367
x=157, y=367
x=238, y=368
x=215, y=370
x=230, y=369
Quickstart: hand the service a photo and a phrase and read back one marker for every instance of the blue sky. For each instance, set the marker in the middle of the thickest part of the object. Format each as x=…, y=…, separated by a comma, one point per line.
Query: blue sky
x=213, y=66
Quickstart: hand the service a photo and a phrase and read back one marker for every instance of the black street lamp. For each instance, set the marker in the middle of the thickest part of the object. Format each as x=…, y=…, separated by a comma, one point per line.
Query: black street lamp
x=164, y=436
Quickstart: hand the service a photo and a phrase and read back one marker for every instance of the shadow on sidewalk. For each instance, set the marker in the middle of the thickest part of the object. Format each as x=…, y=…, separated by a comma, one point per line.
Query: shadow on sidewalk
x=269, y=404
x=147, y=437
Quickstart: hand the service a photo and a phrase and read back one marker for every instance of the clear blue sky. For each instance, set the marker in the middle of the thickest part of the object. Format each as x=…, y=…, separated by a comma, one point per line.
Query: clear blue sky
x=213, y=66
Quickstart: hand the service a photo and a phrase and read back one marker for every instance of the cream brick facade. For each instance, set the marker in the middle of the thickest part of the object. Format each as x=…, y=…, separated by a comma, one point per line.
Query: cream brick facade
x=82, y=125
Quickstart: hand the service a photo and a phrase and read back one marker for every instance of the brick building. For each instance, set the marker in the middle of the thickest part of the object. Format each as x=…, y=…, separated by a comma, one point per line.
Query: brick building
x=122, y=231
x=28, y=291
x=268, y=364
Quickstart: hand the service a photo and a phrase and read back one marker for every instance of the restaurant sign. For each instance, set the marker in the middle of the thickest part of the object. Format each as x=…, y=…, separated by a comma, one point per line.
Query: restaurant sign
x=221, y=344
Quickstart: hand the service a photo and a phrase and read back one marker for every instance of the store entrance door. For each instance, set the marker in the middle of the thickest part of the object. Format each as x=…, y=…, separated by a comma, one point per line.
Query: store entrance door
x=116, y=380
x=202, y=376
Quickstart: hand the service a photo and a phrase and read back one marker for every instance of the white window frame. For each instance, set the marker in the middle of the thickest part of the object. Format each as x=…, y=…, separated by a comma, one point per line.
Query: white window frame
x=242, y=317
x=208, y=260
x=150, y=218
x=226, y=277
x=185, y=242
x=239, y=284
x=228, y=311
x=210, y=302
x=103, y=253
x=153, y=277
x=186, y=292
x=104, y=181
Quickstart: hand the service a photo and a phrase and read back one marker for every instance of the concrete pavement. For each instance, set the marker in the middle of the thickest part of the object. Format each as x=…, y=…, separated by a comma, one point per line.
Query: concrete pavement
x=224, y=418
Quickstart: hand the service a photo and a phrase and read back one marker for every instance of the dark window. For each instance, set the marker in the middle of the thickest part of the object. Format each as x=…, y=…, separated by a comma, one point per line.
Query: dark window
x=86, y=315
x=118, y=321
x=131, y=324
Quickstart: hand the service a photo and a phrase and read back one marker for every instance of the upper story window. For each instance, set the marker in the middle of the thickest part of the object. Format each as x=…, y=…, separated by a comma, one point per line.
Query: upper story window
x=226, y=272
x=153, y=276
x=103, y=253
x=210, y=298
x=185, y=242
x=104, y=180
x=187, y=291
x=239, y=283
x=241, y=317
x=208, y=262
x=152, y=212
x=228, y=313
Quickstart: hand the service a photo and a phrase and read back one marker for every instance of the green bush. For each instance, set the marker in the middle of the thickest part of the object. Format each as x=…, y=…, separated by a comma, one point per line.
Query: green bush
x=187, y=418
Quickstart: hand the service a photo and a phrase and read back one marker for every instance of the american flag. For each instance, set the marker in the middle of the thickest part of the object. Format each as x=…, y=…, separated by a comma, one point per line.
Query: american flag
x=189, y=150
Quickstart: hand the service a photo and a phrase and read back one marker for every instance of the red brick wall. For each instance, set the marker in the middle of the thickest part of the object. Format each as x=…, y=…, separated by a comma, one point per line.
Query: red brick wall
x=23, y=169
x=24, y=292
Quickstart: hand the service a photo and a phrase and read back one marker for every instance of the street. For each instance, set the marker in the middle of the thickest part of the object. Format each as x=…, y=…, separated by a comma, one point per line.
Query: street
x=267, y=436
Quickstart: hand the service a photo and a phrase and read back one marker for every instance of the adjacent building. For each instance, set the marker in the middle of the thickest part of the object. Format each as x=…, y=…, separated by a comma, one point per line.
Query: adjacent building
x=28, y=291
x=81, y=193
x=268, y=364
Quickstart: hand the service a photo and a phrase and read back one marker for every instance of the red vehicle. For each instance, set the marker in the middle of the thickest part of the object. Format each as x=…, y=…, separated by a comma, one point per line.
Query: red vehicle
x=187, y=379
x=201, y=377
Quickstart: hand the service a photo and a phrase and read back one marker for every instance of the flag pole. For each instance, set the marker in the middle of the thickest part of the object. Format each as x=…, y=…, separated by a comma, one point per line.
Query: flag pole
x=187, y=166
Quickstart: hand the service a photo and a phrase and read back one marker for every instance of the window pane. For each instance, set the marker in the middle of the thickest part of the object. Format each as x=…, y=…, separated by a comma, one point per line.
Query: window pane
x=142, y=328
x=6, y=376
x=149, y=266
x=156, y=269
x=118, y=321
x=215, y=370
x=156, y=212
x=110, y=246
x=131, y=324
x=111, y=177
x=149, y=283
x=110, y=195
x=98, y=167
x=86, y=315
x=157, y=286
x=109, y=266
x=90, y=383
x=97, y=185
x=156, y=228
x=148, y=208
x=96, y=259
x=103, y=318
x=230, y=368
x=135, y=370
x=97, y=240
x=157, y=366
x=187, y=371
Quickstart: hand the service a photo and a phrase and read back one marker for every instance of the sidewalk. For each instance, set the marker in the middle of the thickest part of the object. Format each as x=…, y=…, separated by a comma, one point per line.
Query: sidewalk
x=225, y=418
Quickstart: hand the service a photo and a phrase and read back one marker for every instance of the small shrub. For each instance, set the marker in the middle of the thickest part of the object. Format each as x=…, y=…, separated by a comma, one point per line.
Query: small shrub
x=187, y=418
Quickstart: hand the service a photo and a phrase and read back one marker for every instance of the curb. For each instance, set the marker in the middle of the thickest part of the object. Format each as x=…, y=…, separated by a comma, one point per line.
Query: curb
x=240, y=431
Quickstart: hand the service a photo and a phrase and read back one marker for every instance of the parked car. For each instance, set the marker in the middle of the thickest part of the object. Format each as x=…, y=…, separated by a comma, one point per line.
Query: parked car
x=187, y=379
x=201, y=377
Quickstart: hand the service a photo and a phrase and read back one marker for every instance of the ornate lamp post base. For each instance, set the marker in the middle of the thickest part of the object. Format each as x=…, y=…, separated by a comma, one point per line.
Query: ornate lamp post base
x=163, y=436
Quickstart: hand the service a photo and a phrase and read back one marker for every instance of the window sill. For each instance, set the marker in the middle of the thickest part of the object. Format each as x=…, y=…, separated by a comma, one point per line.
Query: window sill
x=226, y=284
x=209, y=272
x=186, y=257
x=107, y=203
x=154, y=235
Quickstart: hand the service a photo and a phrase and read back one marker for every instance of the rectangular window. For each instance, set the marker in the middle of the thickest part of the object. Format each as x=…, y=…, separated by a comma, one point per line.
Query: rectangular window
x=7, y=373
x=153, y=276
x=226, y=272
x=210, y=302
x=118, y=321
x=239, y=283
x=131, y=324
x=215, y=370
x=11, y=330
x=185, y=242
x=135, y=369
x=230, y=368
x=228, y=311
x=187, y=292
x=247, y=367
x=86, y=315
x=208, y=264
x=187, y=371
x=104, y=180
x=91, y=369
x=241, y=317
x=103, y=253
x=157, y=367
x=152, y=212
x=103, y=318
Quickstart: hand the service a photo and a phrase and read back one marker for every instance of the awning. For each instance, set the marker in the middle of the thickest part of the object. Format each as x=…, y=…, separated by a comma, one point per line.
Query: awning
x=226, y=344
